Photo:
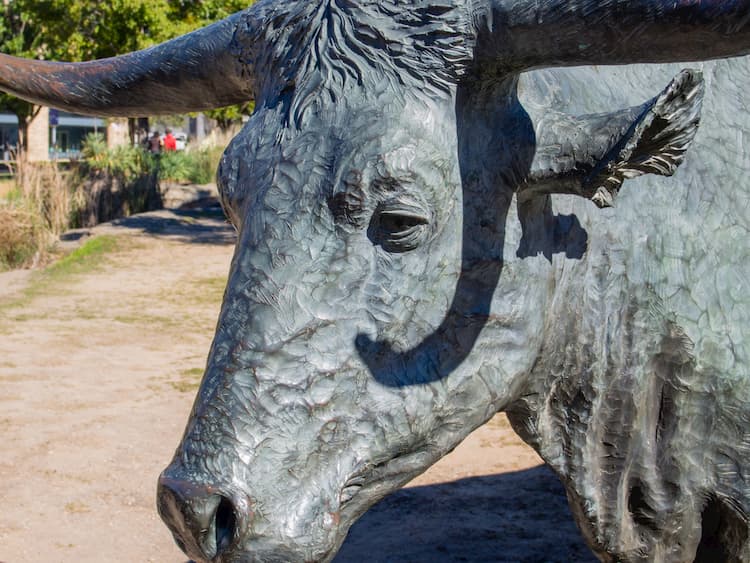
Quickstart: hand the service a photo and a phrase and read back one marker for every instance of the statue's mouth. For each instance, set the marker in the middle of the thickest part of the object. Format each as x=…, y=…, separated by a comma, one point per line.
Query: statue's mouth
x=376, y=480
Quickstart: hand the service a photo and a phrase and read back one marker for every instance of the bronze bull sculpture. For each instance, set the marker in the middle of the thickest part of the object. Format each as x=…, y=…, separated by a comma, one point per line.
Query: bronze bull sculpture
x=422, y=244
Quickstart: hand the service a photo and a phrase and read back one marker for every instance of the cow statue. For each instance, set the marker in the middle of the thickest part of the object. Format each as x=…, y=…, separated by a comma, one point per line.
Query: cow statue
x=432, y=227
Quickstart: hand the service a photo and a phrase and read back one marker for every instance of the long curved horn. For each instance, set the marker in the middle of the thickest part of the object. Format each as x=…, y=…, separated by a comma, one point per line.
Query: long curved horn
x=190, y=73
x=527, y=34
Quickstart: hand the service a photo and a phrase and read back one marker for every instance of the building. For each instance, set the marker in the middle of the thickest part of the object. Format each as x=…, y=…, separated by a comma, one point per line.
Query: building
x=53, y=134
x=59, y=135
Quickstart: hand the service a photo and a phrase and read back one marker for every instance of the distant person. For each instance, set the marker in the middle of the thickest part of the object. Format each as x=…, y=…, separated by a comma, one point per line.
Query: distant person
x=170, y=143
x=154, y=143
x=142, y=138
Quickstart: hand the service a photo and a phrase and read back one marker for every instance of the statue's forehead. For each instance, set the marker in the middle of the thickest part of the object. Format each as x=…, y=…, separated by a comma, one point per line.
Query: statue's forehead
x=404, y=150
x=358, y=148
x=388, y=130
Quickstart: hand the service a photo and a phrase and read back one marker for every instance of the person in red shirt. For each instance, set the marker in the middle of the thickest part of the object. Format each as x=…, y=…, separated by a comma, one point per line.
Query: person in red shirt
x=170, y=143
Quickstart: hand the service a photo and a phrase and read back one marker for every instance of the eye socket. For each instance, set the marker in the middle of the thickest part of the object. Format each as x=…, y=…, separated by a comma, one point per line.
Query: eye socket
x=398, y=227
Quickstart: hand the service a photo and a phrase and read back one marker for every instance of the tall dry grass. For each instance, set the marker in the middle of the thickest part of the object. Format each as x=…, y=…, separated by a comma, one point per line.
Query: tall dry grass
x=47, y=190
x=31, y=214
x=22, y=238
x=47, y=201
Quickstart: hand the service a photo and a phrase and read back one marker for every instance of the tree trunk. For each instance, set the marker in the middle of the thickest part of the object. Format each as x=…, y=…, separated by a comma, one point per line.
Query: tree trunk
x=22, y=148
x=24, y=120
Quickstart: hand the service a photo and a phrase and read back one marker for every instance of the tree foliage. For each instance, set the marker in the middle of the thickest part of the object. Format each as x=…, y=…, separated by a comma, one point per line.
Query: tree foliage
x=85, y=29
x=20, y=36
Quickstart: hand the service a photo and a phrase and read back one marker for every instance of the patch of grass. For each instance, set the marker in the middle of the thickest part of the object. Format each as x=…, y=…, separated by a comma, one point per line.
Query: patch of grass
x=189, y=381
x=34, y=208
x=203, y=291
x=23, y=237
x=184, y=386
x=87, y=258
x=7, y=185
x=23, y=317
x=215, y=285
x=87, y=314
x=77, y=478
x=151, y=321
x=209, y=291
x=76, y=507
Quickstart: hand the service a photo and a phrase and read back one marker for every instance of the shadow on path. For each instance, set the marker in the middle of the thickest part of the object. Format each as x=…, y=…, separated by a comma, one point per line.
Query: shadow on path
x=206, y=225
x=521, y=516
x=201, y=226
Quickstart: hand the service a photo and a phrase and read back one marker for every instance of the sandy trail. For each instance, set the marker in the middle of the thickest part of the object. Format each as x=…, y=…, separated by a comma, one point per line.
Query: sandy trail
x=98, y=370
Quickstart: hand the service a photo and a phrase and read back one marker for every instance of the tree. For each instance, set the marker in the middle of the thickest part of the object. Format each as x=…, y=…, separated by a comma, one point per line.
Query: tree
x=90, y=29
x=227, y=116
x=95, y=30
x=19, y=35
x=193, y=14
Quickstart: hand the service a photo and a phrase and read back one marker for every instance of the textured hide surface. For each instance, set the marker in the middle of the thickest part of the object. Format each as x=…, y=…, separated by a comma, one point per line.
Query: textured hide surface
x=640, y=399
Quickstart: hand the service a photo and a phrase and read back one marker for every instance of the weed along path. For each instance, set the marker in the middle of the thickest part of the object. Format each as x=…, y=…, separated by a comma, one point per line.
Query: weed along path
x=100, y=357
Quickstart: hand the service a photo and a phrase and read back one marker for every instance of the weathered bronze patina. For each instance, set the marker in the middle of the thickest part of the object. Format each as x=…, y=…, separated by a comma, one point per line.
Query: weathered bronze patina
x=422, y=244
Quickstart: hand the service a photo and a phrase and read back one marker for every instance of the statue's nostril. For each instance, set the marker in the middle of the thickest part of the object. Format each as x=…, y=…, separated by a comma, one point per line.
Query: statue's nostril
x=203, y=523
x=225, y=523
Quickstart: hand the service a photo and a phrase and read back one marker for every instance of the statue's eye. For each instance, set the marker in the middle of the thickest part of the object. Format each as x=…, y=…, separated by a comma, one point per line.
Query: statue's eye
x=398, y=227
x=399, y=223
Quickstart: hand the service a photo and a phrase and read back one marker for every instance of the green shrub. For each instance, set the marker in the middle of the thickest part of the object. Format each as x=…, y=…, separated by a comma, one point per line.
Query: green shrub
x=176, y=166
x=113, y=183
x=125, y=161
x=196, y=166
x=94, y=149
x=205, y=163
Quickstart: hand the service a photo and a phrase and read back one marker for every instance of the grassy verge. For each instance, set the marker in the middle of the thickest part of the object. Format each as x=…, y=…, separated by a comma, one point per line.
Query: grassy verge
x=189, y=380
x=7, y=185
x=87, y=258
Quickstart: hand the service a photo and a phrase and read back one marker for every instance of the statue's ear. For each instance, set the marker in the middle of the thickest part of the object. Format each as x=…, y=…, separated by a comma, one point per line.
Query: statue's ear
x=592, y=156
x=656, y=143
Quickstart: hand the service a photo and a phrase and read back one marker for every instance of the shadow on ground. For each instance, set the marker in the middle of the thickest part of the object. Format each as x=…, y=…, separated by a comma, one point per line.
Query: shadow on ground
x=203, y=225
x=512, y=517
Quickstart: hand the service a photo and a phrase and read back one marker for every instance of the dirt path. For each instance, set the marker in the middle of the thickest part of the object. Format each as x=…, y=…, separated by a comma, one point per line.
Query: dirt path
x=99, y=363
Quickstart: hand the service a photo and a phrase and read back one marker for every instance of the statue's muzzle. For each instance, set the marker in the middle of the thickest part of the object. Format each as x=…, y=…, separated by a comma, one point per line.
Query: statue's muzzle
x=211, y=523
x=204, y=520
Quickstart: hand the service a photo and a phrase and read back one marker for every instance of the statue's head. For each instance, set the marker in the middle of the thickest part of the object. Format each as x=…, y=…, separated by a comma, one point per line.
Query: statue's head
x=369, y=251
